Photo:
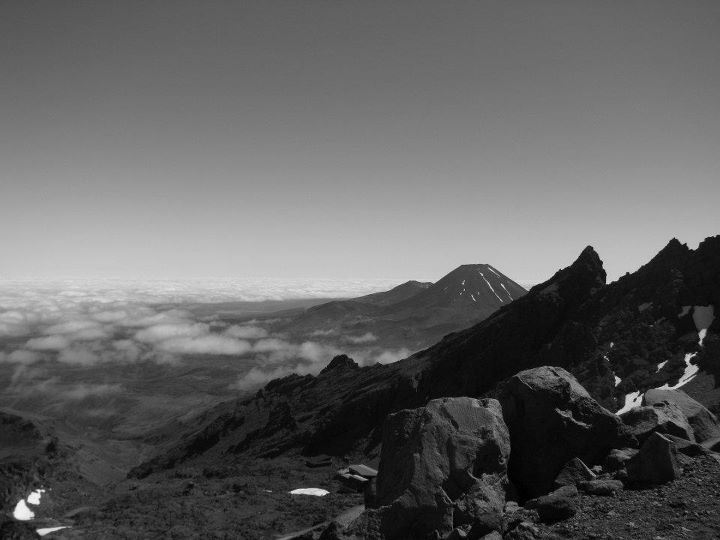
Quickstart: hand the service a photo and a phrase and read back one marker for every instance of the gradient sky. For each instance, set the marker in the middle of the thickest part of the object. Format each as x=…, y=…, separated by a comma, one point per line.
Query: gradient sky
x=353, y=139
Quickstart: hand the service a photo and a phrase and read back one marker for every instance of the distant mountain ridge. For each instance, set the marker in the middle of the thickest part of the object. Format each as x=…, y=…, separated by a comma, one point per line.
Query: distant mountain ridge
x=415, y=314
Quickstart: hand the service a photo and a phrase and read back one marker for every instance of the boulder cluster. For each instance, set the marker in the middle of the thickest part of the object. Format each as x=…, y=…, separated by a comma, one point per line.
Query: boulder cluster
x=494, y=468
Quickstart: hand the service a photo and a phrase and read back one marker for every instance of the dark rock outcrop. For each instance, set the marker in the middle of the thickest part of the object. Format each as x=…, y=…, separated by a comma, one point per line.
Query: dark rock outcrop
x=552, y=419
x=442, y=466
x=340, y=362
x=25, y=453
x=705, y=424
x=655, y=463
x=661, y=417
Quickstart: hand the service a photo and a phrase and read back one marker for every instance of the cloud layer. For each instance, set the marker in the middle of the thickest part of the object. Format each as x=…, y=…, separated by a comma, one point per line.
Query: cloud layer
x=93, y=325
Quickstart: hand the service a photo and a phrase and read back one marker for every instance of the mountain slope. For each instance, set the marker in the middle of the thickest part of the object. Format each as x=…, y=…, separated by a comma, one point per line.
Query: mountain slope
x=415, y=314
x=396, y=294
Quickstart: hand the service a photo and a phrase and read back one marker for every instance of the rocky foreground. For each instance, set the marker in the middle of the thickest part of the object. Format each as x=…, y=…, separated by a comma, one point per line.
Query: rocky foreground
x=544, y=460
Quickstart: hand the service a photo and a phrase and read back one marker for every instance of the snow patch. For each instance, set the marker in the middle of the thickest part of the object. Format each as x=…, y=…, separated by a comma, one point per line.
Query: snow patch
x=506, y=291
x=491, y=287
x=493, y=271
x=618, y=380
x=22, y=512
x=47, y=530
x=660, y=366
x=685, y=310
x=632, y=401
x=690, y=371
x=34, y=497
x=473, y=297
x=315, y=492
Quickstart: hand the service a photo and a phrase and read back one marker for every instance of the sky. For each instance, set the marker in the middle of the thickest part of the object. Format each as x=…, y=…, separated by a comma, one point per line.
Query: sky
x=353, y=138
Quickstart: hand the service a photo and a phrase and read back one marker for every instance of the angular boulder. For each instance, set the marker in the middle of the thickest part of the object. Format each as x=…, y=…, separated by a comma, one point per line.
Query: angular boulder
x=441, y=466
x=712, y=444
x=618, y=458
x=655, y=463
x=662, y=417
x=683, y=446
x=705, y=424
x=553, y=419
x=556, y=506
x=573, y=473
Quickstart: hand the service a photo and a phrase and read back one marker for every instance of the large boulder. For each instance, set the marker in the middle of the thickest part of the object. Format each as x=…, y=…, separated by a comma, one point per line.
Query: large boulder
x=553, y=419
x=705, y=424
x=662, y=417
x=442, y=466
x=556, y=506
x=655, y=463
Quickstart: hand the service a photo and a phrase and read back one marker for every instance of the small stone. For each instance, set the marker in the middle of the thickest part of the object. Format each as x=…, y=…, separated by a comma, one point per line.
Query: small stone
x=602, y=487
x=573, y=473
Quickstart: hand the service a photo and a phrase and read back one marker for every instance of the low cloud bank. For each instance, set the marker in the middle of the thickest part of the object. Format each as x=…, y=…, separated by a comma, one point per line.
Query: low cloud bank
x=90, y=326
x=322, y=354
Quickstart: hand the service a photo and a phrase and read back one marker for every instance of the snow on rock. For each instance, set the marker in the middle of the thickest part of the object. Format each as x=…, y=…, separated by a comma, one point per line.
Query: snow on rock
x=703, y=317
x=660, y=366
x=685, y=311
x=618, y=380
x=690, y=371
x=493, y=271
x=34, y=497
x=22, y=512
x=632, y=401
x=316, y=492
x=47, y=530
x=506, y=291
x=491, y=287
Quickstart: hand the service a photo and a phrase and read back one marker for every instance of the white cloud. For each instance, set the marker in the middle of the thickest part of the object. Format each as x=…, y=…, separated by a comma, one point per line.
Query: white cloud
x=318, y=352
x=365, y=338
x=246, y=332
x=49, y=343
x=82, y=390
x=161, y=332
x=389, y=357
x=70, y=327
x=257, y=377
x=324, y=333
x=208, y=344
x=78, y=355
x=20, y=356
